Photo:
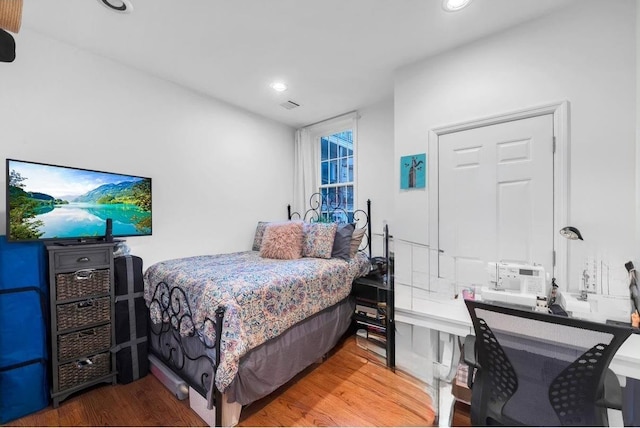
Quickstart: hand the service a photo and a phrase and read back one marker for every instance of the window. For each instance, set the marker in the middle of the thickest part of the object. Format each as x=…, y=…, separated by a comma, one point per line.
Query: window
x=336, y=176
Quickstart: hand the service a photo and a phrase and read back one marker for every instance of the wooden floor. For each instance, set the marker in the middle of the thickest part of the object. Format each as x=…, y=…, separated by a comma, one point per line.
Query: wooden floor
x=347, y=389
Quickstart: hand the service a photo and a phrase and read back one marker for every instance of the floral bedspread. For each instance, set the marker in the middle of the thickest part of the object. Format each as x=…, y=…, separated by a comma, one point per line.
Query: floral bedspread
x=262, y=297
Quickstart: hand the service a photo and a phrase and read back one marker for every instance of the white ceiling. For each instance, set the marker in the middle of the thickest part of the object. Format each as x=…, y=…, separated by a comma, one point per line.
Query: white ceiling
x=335, y=55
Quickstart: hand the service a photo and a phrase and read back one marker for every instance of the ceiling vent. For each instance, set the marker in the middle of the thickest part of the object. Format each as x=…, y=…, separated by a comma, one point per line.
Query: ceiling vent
x=290, y=105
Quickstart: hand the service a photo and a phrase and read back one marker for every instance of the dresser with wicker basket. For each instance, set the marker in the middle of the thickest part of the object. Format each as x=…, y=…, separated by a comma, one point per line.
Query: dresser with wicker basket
x=82, y=313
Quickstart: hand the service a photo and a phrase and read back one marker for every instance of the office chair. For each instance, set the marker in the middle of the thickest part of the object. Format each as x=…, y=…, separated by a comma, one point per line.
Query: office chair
x=540, y=369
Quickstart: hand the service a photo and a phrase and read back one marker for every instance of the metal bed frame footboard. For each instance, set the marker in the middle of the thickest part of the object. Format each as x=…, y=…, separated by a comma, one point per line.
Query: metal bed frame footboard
x=166, y=343
x=177, y=326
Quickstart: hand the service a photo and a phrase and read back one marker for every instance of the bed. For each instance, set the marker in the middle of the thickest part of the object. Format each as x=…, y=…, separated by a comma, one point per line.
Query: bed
x=237, y=326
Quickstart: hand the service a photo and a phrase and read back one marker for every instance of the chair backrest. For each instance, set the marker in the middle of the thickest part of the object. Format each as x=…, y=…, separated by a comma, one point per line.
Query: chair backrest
x=539, y=369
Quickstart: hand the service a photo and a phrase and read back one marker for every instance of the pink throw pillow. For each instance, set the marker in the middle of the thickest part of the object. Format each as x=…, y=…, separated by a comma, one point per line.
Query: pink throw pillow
x=282, y=241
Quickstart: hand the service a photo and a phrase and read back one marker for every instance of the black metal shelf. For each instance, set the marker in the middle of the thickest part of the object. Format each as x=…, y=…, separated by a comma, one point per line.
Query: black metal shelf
x=374, y=281
x=372, y=291
x=369, y=321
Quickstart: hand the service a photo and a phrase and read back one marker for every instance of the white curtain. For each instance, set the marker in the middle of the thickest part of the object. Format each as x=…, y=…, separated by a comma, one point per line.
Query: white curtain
x=307, y=157
x=307, y=161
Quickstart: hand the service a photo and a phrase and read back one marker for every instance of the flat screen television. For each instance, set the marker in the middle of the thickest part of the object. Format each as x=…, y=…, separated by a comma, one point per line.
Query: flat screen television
x=61, y=203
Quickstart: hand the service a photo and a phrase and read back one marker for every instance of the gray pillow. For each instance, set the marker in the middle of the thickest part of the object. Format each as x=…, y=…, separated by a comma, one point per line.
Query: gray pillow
x=342, y=241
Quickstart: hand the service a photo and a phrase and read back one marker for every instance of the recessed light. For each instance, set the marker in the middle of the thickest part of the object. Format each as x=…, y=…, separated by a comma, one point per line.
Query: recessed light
x=278, y=86
x=455, y=5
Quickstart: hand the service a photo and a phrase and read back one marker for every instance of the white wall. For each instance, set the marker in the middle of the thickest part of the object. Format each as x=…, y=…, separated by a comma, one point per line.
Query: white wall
x=637, y=125
x=375, y=165
x=559, y=57
x=211, y=183
x=585, y=55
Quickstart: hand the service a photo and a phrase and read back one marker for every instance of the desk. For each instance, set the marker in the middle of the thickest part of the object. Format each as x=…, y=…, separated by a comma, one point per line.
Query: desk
x=450, y=319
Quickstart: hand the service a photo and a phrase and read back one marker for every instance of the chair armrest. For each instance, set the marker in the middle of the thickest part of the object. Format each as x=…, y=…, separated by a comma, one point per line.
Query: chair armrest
x=469, y=356
x=612, y=395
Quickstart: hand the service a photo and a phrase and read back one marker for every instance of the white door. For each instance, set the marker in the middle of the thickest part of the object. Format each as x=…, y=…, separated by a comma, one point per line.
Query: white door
x=496, y=197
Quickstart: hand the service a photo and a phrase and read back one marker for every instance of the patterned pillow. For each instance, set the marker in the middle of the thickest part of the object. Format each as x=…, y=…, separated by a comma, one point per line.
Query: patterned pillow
x=342, y=241
x=257, y=238
x=282, y=241
x=318, y=239
x=356, y=239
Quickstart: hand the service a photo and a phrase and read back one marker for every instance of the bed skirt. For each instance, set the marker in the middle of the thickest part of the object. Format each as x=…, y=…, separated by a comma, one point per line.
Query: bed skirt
x=265, y=368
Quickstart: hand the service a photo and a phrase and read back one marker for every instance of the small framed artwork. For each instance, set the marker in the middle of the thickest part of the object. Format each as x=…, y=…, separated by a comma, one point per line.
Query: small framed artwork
x=413, y=171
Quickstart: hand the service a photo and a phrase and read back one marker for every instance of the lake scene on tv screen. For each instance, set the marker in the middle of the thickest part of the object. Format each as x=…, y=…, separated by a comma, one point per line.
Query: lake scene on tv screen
x=55, y=202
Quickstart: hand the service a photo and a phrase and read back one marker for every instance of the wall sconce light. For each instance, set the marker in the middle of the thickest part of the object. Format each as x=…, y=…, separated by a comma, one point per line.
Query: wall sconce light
x=10, y=20
x=7, y=47
x=571, y=232
x=11, y=15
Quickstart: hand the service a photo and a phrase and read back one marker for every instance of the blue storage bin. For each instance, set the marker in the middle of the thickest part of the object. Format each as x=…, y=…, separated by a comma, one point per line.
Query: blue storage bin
x=24, y=390
x=24, y=348
x=22, y=264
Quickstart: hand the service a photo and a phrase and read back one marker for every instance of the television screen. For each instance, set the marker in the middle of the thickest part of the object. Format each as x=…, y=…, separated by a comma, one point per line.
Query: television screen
x=62, y=203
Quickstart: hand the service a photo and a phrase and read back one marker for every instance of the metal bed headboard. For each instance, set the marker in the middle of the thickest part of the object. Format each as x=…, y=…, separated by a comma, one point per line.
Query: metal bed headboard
x=323, y=209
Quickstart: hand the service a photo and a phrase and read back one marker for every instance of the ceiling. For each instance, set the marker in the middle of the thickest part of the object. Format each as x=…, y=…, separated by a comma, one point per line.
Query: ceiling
x=336, y=56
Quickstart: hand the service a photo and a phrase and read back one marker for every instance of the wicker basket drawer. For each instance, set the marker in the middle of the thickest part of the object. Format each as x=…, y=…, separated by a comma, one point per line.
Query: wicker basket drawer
x=78, y=314
x=84, y=370
x=90, y=341
x=82, y=258
x=84, y=282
